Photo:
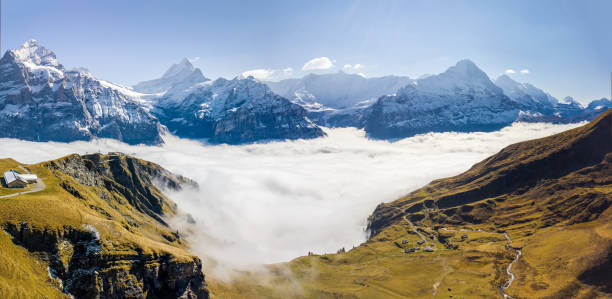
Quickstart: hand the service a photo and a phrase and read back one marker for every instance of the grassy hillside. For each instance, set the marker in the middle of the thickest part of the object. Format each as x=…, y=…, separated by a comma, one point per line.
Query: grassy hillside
x=549, y=196
x=98, y=226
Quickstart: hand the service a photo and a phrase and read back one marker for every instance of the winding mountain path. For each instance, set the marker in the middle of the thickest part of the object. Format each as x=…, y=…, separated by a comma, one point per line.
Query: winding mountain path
x=38, y=186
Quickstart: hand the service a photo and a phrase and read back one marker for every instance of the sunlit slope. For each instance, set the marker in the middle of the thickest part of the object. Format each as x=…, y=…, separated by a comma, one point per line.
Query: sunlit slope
x=98, y=227
x=551, y=196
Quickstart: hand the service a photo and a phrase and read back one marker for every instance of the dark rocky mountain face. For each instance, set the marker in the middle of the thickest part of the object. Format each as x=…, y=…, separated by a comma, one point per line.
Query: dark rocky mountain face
x=233, y=111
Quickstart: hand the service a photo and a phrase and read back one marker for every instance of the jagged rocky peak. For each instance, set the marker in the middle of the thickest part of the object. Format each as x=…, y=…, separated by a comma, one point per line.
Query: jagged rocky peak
x=179, y=74
x=466, y=70
x=466, y=67
x=33, y=52
x=463, y=75
x=183, y=67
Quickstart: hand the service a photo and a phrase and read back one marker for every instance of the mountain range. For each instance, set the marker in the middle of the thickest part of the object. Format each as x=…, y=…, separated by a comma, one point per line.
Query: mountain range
x=40, y=100
x=225, y=111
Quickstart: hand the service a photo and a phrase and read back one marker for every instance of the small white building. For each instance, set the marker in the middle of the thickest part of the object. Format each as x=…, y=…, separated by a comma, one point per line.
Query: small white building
x=29, y=178
x=14, y=179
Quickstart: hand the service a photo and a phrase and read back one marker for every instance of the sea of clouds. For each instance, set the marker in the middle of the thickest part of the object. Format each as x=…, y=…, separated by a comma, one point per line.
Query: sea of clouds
x=272, y=202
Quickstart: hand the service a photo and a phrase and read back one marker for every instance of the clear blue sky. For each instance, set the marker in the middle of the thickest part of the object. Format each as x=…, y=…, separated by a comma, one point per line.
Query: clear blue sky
x=565, y=45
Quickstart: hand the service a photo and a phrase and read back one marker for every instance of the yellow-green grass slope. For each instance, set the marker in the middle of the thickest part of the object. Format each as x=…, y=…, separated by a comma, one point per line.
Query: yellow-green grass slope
x=550, y=195
x=110, y=198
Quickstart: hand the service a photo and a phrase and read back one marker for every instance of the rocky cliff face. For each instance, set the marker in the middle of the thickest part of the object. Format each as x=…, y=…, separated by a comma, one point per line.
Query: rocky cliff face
x=81, y=270
x=103, y=232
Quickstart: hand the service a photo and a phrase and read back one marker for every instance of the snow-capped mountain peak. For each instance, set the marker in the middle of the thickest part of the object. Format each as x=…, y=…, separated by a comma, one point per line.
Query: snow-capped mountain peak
x=32, y=52
x=181, y=68
x=40, y=100
x=505, y=80
x=464, y=75
x=465, y=66
x=462, y=98
x=182, y=73
x=530, y=97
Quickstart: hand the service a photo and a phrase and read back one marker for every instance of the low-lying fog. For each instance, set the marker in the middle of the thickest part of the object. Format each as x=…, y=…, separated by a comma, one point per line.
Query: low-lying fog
x=266, y=203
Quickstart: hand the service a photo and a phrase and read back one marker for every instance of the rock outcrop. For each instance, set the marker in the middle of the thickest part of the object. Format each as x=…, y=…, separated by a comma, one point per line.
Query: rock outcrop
x=100, y=227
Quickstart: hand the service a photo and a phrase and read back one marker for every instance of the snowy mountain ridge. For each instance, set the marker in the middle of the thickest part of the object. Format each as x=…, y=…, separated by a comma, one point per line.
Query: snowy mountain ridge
x=462, y=98
x=228, y=111
x=41, y=100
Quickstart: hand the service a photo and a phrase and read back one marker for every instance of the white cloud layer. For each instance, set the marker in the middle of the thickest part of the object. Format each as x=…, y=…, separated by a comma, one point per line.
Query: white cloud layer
x=272, y=202
x=261, y=74
x=268, y=74
x=353, y=66
x=319, y=63
x=510, y=71
x=524, y=71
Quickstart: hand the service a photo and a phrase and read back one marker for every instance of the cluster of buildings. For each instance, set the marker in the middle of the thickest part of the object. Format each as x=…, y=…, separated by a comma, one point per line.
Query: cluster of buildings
x=15, y=179
x=417, y=248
